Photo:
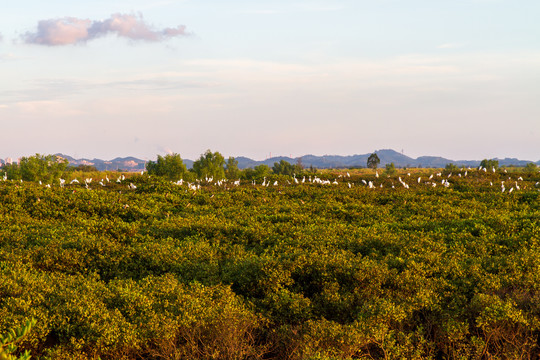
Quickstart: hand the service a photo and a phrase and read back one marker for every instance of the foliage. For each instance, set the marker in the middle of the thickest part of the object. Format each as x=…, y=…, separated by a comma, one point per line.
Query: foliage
x=210, y=165
x=258, y=173
x=451, y=167
x=305, y=270
x=490, y=164
x=45, y=168
x=8, y=341
x=169, y=166
x=285, y=168
x=232, y=171
x=82, y=168
x=531, y=167
x=373, y=161
x=390, y=169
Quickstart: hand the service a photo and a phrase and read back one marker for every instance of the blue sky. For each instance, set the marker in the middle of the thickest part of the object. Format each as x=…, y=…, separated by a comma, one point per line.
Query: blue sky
x=459, y=79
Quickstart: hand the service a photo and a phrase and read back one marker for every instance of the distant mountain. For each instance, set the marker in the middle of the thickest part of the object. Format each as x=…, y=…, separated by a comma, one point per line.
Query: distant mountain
x=386, y=156
x=126, y=164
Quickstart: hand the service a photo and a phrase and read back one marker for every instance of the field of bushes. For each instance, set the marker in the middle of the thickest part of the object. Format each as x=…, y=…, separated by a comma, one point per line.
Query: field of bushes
x=342, y=267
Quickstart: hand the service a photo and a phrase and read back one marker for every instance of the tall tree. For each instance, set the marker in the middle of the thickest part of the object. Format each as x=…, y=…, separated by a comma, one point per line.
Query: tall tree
x=210, y=165
x=285, y=168
x=373, y=161
x=170, y=166
x=232, y=171
x=41, y=167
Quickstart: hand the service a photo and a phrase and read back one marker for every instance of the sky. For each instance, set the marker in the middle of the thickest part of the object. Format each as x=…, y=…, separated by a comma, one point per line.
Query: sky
x=108, y=78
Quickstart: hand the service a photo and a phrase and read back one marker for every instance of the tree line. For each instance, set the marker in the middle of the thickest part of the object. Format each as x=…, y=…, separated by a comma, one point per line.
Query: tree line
x=213, y=165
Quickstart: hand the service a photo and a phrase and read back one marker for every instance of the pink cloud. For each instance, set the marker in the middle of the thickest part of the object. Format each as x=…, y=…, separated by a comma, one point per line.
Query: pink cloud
x=69, y=30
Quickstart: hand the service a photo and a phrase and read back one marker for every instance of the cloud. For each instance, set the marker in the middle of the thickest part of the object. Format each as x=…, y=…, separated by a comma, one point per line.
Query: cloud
x=449, y=46
x=70, y=30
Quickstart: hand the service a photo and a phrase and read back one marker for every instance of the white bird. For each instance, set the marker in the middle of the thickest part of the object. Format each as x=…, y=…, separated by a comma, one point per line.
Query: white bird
x=349, y=184
x=493, y=168
x=431, y=177
x=275, y=183
x=74, y=181
x=376, y=174
x=512, y=189
x=132, y=186
x=295, y=180
x=419, y=179
x=348, y=175
x=364, y=181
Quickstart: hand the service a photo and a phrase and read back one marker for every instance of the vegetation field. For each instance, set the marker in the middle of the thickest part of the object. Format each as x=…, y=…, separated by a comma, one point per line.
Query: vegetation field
x=414, y=265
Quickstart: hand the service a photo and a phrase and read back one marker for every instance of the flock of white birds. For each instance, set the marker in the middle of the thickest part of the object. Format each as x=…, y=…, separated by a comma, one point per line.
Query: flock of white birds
x=509, y=185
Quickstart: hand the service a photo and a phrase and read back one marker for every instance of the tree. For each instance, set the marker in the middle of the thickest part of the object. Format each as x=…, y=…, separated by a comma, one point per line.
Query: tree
x=531, y=167
x=451, y=167
x=390, y=169
x=262, y=170
x=210, y=165
x=171, y=166
x=373, y=161
x=490, y=164
x=232, y=171
x=37, y=168
x=285, y=168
